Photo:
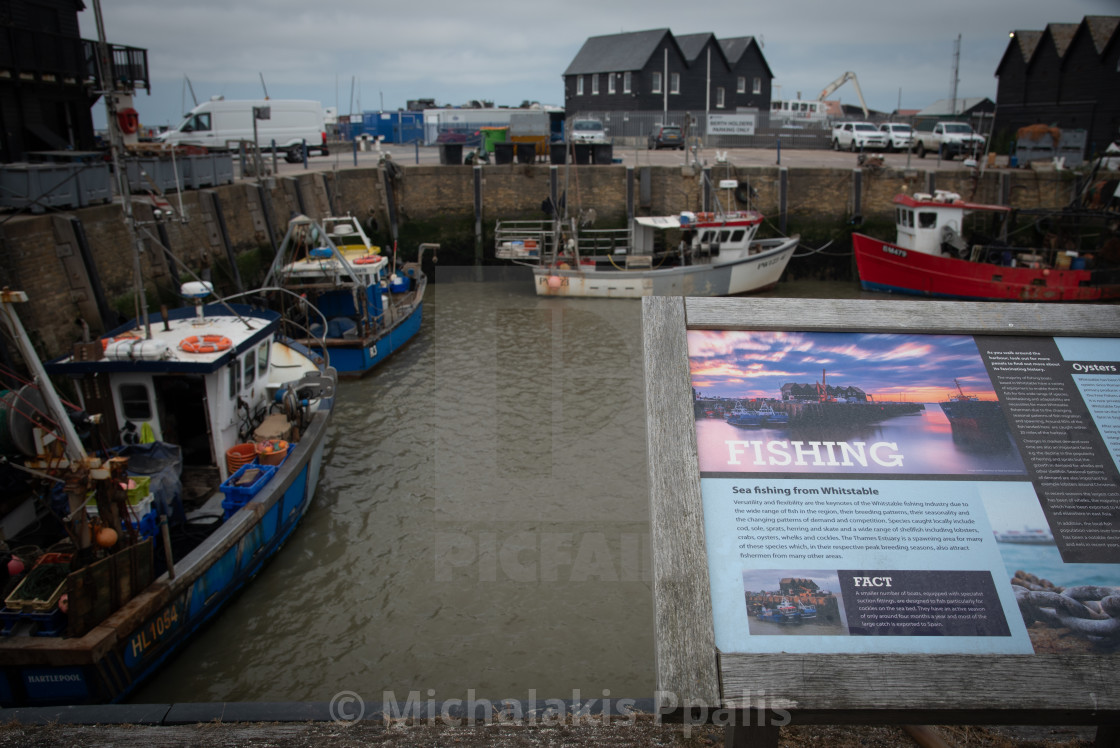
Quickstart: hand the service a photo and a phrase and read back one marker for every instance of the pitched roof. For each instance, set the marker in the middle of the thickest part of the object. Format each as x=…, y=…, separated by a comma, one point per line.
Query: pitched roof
x=1062, y=34
x=614, y=52
x=1028, y=42
x=693, y=44
x=735, y=47
x=1101, y=28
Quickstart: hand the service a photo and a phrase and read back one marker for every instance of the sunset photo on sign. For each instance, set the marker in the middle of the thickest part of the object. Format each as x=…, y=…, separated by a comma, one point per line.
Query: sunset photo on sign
x=842, y=403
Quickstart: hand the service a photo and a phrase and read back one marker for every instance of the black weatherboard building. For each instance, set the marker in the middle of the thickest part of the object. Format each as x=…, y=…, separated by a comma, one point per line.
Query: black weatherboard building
x=1067, y=76
x=49, y=78
x=655, y=70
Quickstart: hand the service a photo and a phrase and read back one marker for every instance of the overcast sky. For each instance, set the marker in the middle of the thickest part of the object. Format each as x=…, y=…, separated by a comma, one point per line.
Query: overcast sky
x=361, y=56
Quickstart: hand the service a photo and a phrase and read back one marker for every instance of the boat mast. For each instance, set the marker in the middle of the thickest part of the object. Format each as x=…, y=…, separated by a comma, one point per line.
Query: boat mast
x=116, y=146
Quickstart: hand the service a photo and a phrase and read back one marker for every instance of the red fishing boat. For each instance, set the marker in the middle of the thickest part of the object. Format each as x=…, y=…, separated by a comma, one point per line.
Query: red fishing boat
x=931, y=256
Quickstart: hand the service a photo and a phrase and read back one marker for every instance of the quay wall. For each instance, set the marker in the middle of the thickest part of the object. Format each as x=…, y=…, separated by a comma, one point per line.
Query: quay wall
x=79, y=264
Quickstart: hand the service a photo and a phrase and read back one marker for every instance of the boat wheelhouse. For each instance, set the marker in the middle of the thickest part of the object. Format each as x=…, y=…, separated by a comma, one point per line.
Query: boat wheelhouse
x=933, y=255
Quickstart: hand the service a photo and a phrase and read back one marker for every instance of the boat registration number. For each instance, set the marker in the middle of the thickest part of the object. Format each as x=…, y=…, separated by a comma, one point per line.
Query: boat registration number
x=893, y=251
x=154, y=631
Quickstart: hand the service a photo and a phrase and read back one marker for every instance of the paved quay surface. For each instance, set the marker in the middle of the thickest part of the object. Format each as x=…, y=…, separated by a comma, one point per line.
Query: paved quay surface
x=410, y=155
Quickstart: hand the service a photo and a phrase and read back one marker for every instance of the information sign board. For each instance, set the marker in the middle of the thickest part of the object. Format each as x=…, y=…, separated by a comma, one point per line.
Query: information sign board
x=855, y=504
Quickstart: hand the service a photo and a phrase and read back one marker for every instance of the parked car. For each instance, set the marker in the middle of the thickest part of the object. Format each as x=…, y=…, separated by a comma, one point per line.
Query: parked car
x=899, y=135
x=666, y=136
x=948, y=139
x=588, y=131
x=856, y=136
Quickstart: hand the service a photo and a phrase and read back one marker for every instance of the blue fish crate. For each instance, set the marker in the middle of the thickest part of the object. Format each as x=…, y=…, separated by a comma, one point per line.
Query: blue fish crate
x=244, y=484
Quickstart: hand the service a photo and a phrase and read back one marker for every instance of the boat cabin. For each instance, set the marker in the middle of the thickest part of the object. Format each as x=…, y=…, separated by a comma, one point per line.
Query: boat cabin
x=927, y=222
x=714, y=234
x=150, y=388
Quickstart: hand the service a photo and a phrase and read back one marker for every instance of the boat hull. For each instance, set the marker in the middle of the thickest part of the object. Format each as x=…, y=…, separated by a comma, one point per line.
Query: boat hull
x=887, y=267
x=110, y=661
x=355, y=359
x=753, y=273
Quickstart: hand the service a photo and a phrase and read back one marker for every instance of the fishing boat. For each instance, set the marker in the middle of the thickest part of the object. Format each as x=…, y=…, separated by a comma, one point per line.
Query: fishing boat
x=744, y=417
x=806, y=611
x=785, y=612
x=771, y=417
x=189, y=459
x=931, y=256
x=975, y=421
x=694, y=254
x=1026, y=536
x=338, y=293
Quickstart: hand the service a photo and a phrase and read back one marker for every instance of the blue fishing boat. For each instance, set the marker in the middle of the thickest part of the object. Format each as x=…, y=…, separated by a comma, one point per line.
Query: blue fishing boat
x=771, y=417
x=744, y=417
x=189, y=458
x=805, y=611
x=338, y=293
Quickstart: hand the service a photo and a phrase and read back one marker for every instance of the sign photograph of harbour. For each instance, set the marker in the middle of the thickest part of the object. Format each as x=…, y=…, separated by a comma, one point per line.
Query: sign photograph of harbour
x=783, y=602
x=843, y=403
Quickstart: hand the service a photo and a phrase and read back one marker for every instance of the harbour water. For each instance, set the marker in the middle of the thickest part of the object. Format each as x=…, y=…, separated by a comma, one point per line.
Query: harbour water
x=481, y=525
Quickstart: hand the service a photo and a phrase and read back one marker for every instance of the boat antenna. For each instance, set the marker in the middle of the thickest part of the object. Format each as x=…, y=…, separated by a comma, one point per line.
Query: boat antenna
x=263, y=86
x=110, y=89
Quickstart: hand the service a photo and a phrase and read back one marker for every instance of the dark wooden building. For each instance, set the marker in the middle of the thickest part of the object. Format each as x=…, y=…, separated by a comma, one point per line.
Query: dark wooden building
x=654, y=71
x=1066, y=76
x=49, y=77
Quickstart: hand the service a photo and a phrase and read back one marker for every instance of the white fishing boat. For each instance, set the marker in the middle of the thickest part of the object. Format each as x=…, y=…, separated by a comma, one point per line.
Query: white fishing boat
x=691, y=254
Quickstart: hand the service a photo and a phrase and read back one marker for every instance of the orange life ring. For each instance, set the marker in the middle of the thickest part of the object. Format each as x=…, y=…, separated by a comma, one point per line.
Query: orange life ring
x=367, y=260
x=129, y=120
x=704, y=216
x=205, y=344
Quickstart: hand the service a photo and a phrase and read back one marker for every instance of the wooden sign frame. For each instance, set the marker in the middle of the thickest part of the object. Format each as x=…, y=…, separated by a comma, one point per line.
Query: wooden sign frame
x=695, y=682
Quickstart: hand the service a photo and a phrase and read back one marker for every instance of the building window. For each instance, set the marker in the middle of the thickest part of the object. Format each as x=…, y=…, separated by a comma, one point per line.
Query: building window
x=626, y=83
x=674, y=83
x=610, y=83
x=655, y=83
x=579, y=85
x=595, y=85
x=741, y=86
x=757, y=88
x=719, y=98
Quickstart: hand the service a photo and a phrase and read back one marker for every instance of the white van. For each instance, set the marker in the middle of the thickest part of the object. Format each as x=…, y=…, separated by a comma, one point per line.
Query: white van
x=220, y=125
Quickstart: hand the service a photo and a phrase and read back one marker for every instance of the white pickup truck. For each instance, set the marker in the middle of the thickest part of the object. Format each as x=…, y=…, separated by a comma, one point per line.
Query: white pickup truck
x=856, y=136
x=949, y=139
